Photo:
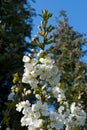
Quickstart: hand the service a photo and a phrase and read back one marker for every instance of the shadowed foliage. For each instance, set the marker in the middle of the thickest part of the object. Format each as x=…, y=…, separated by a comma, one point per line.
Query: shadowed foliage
x=16, y=17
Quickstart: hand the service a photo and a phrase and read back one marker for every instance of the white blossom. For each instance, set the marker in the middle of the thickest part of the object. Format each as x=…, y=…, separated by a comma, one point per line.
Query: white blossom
x=26, y=59
x=43, y=77
x=22, y=105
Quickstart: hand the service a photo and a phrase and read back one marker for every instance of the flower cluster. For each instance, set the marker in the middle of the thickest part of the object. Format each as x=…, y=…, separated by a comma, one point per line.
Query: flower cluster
x=43, y=77
x=72, y=115
x=38, y=116
x=42, y=69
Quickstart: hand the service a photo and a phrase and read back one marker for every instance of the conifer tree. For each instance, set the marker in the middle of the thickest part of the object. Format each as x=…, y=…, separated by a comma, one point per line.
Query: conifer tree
x=15, y=26
x=68, y=53
x=16, y=17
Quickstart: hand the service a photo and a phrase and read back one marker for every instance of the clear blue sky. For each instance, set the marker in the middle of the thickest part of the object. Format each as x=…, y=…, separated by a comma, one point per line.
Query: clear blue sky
x=76, y=12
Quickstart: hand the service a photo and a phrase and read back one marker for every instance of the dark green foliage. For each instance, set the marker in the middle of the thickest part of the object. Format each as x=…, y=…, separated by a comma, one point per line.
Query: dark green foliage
x=15, y=26
x=16, y=17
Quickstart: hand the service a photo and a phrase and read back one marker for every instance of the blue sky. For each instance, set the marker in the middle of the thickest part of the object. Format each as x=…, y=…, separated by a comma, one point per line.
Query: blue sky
x=76, y=12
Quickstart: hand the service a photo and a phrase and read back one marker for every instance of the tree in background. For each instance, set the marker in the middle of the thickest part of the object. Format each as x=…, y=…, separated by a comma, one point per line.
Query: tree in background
x=68, y=53
x=15, y=25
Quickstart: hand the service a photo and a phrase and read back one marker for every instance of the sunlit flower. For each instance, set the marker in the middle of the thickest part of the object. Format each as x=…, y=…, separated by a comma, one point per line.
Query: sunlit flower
x=26, y=59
